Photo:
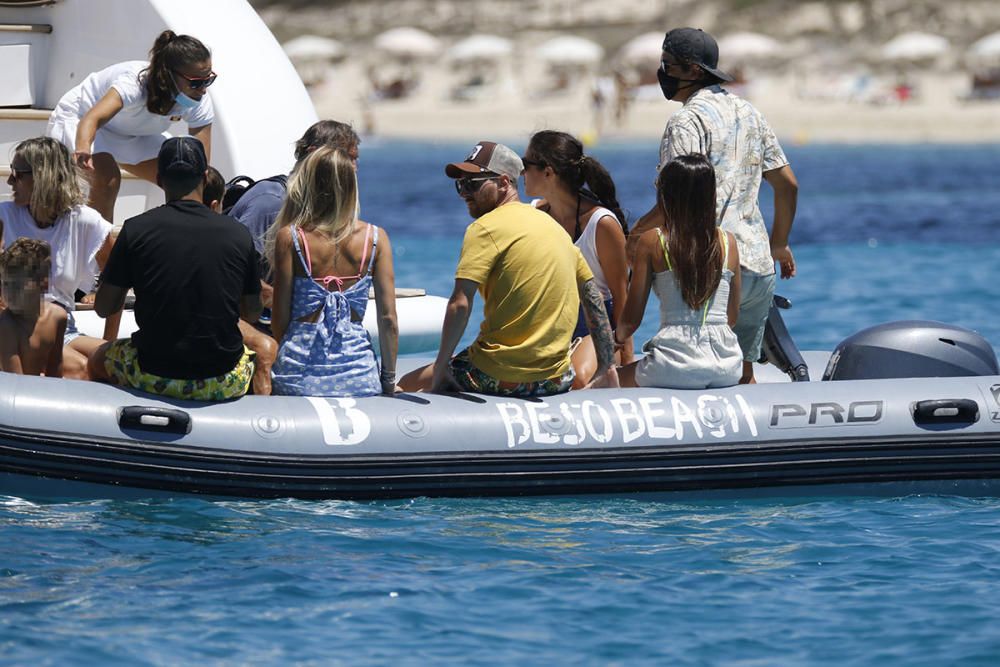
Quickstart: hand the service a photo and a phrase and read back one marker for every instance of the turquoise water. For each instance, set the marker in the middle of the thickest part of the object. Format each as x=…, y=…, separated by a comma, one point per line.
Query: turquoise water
x=883, y=233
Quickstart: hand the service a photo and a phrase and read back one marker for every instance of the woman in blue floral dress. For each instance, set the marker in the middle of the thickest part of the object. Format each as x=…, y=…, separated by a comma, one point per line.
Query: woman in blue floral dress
x=325, y=260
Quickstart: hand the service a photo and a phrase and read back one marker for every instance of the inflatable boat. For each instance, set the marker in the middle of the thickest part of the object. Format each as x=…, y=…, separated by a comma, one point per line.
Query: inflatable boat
x=916, y=403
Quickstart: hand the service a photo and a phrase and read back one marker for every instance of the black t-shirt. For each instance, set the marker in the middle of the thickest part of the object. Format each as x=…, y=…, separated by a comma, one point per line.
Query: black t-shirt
x=188, y=266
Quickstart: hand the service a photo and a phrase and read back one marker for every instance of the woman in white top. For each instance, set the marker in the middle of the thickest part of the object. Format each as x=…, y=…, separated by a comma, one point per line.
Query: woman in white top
x=556, y=170
x=118, y=117
x=47, y=204
x=694, y=268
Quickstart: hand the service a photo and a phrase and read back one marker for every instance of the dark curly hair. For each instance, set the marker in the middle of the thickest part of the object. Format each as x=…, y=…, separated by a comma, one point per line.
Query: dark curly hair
x=29, y=257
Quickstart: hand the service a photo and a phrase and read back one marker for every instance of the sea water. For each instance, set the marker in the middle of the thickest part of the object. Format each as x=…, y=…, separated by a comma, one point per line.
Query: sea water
x=882, y=233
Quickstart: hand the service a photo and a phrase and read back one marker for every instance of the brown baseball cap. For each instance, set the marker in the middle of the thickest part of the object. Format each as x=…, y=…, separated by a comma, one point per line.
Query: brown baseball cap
x=488, y=156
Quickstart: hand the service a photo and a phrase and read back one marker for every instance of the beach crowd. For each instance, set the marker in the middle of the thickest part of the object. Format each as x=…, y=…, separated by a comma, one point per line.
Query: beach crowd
x=262, y=286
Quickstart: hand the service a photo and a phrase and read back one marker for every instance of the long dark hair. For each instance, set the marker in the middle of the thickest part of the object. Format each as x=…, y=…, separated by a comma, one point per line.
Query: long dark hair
x=170, y=52
x=564, y=153
x=686, y=195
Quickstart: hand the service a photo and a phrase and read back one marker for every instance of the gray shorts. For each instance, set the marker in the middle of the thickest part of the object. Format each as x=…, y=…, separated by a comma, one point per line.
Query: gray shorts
x=756, y=293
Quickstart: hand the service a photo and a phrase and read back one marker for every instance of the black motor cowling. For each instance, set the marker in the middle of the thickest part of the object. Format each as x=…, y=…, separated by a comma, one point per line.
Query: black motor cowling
x=912, y=349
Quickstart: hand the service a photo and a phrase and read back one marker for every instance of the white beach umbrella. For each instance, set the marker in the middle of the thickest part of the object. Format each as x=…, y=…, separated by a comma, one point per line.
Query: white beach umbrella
x=748, y=46
x=987, y=47
x=644, y=49
x=914, y=46
x=313, y=47
x=570, y=50
x=408, y=42
x=481, y=47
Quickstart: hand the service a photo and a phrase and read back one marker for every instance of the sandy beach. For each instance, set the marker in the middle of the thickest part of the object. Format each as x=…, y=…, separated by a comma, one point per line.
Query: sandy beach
x=877, y=71
x=802, y=108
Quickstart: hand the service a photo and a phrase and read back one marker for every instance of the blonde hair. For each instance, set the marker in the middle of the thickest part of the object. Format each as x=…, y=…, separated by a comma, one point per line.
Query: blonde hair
x=322, y=197
x=56, y=180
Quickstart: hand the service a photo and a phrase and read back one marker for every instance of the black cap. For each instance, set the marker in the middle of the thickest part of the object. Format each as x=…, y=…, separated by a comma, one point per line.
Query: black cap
x=695, y=46
x=182, y=158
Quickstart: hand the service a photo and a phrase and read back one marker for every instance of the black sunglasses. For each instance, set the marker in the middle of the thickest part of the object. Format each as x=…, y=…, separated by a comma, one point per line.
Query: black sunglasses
x=528, y=162
x=18, y=174
x=468, y=185
x=197, y=83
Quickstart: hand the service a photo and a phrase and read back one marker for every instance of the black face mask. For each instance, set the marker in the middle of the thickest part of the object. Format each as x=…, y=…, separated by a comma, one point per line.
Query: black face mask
x=671, y=85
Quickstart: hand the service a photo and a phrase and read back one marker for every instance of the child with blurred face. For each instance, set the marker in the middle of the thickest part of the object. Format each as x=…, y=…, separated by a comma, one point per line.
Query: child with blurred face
x=31, y=328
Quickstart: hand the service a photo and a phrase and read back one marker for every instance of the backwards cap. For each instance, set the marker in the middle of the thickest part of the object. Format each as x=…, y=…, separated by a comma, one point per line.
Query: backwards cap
x=695, y=46
x=182, y=157
x=488, y=156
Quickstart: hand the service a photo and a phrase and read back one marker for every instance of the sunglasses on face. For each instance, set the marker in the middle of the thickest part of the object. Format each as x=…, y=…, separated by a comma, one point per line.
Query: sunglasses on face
x=18, y=174
x=198, y=82
x=468, y=185
x=528, y=162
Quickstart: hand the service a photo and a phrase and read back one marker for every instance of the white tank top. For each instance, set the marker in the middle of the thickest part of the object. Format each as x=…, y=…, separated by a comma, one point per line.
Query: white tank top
x=587, y=243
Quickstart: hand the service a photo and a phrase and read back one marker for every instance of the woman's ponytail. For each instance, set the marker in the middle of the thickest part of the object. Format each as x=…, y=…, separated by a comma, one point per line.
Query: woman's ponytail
x=597, y=177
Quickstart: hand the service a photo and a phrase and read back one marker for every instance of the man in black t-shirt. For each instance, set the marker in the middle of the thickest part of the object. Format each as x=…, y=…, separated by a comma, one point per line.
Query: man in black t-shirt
x=194, y=273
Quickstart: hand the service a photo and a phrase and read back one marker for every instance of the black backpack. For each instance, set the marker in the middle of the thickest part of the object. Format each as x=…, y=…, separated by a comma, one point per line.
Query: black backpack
x=236, y=188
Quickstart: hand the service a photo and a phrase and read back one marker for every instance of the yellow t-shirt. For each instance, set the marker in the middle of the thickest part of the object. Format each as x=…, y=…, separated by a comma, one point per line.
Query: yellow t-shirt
x=528, y=272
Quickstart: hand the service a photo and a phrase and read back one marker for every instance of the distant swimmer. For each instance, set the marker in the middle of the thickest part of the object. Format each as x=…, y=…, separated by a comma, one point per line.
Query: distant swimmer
x=743, y=150
x=119, y=116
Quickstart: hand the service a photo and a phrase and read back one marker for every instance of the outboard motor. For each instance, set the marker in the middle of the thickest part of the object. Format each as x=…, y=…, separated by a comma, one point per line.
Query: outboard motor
x=912, y=349
x=778, y=347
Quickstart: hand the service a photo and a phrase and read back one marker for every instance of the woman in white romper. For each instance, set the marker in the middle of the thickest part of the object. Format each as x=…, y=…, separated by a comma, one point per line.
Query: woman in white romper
x=556, y=171
x=694, y=268
x=118, y=117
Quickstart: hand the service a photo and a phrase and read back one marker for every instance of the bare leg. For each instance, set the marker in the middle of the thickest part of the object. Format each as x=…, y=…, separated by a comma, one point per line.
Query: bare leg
x=95, y=364
x=105, y=182
x=75, y=356
x=266, y=350
x=748, y=373
x=74, y=366
x=145, y=170
x=626, y=375
x=418, y=380
x=584, y=361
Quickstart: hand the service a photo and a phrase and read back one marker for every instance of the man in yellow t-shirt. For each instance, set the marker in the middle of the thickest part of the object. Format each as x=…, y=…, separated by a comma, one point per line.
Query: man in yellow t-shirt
x=532, y=279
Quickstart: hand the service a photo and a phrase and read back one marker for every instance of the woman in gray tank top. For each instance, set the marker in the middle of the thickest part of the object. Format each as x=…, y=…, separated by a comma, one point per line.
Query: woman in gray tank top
x=694, y=268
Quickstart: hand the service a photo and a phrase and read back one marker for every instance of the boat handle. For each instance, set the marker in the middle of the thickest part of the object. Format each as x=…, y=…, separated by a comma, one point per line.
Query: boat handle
x=161, y=420
x=946, y=411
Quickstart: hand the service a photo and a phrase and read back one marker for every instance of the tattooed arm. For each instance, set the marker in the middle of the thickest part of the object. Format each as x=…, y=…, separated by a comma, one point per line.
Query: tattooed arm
x=600, y=332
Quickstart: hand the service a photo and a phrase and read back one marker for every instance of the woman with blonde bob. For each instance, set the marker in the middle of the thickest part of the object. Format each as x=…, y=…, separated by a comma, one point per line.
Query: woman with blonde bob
x=324, y=262
x=47, y=203
x=694, y=268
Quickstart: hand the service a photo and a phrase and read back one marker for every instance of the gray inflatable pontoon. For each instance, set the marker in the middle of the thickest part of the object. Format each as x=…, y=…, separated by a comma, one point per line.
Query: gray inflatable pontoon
x=65, y=438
